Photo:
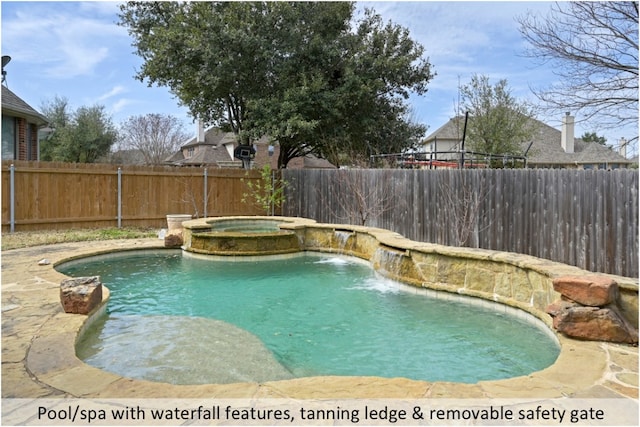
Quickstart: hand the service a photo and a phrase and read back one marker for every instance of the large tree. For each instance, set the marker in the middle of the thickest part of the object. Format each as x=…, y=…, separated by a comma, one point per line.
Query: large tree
x=593, y=47
x=498, y=123
x=81, y=136
x=154, y=136
x=300, y=72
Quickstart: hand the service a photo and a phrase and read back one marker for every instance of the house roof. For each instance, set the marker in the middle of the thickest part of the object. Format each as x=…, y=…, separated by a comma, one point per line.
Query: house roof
x=13, y=105
x=546, y=148
x=213, y=150
x=310, y=162
x=449, y=130
x=212, y=136
x=206, y=155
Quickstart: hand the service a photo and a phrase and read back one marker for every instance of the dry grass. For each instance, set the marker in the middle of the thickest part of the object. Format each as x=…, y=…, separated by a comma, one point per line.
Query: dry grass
x=23, y=239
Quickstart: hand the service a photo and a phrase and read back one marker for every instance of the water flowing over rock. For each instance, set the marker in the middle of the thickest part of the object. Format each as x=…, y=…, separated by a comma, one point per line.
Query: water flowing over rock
x=588, y=310
x=80, y=295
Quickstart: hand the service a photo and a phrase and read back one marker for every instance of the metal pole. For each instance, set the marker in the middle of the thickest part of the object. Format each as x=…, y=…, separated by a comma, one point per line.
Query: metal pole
x=119, y=198
x=206, y=192
x=12, y=197
x=464, y=136
x=435, y=154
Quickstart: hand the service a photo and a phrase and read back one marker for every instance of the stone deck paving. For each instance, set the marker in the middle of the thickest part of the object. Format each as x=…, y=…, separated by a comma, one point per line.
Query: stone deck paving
x=38, y=357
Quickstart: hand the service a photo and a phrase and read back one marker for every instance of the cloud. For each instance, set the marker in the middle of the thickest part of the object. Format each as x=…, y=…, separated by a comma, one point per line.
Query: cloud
x=116, y=90
x=120, y=104
x=59, y=40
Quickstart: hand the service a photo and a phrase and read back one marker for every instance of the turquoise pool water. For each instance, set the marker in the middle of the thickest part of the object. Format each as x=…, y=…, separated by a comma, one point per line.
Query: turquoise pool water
x=188, y=320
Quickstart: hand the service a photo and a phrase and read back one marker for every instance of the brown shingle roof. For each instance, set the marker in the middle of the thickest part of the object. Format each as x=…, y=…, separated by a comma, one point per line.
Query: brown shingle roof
x=13, y=105
x=207, y=155
x=213, y=151
x=546, y=148
x=212, y=136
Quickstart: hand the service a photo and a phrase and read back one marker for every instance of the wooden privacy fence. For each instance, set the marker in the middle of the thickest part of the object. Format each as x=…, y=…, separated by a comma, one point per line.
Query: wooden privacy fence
x=584, y=218
x=43, y=195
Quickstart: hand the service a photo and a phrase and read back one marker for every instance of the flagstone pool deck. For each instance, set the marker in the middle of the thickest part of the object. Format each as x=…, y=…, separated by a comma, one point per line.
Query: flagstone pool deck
x=39, y=361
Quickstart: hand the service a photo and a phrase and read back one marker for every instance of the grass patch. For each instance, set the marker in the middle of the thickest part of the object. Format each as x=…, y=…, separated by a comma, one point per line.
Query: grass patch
x=23, y=239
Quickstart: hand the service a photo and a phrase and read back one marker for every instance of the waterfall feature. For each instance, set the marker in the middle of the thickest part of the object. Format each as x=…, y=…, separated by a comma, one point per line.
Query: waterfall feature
x=341, y=240
x=388, y=261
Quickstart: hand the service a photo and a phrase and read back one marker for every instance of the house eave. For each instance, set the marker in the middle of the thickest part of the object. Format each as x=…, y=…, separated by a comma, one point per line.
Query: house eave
x=40, y=121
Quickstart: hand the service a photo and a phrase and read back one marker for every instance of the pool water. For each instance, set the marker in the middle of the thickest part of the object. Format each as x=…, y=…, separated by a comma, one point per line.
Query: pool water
x=172, y=318
x=246, y=226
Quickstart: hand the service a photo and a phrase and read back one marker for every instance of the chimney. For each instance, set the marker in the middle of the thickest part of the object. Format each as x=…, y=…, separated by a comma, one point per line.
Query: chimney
x=623, y=147
x=200, y=136
x=567, y=137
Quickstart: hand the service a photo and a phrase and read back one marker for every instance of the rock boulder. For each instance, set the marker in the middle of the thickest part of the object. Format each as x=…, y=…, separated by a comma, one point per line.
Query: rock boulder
x=592, y=323
x=592, y=291
x=173, y=240
x=588, y=310
x=80, y=295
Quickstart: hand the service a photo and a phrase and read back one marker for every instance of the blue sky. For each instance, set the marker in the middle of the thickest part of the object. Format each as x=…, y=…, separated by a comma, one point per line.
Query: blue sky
x=76, y=50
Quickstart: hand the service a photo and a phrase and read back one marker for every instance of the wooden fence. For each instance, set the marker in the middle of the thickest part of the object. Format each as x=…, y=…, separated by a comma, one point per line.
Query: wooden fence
x=43, y=195
x=584, y=218
x=579, y=217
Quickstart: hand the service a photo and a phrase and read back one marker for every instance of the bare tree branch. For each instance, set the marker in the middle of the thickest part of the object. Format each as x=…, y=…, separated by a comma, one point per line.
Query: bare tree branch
x=463, y=204
x=155, y=136
x=358, y=200
x=593, y=47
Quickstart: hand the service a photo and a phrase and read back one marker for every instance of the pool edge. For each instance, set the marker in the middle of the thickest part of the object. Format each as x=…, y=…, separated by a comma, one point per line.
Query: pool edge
x=582, y=368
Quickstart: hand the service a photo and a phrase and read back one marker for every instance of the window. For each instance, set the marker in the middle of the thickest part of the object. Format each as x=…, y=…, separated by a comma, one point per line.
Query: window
x=8, y=138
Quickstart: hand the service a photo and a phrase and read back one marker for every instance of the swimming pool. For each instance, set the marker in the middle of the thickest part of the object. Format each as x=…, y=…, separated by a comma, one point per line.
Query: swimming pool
x=185, y=320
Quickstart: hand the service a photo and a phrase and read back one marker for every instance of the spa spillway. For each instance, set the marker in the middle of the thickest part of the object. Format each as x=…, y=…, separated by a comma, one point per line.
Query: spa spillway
x=240, y=237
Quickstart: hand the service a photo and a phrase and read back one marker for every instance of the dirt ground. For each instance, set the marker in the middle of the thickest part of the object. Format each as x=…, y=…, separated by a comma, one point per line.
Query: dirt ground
x=23, y=239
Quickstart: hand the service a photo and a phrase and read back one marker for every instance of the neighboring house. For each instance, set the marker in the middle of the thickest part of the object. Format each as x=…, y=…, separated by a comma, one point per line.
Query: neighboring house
x=212, y=148
x=446, y=139
x=551, y=148
x=20, y=126
x=310, y=162
x=215, y=148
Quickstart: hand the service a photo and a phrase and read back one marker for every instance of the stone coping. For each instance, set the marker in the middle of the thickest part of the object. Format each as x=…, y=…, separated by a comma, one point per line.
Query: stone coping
x=520, y=281
x=39, y=361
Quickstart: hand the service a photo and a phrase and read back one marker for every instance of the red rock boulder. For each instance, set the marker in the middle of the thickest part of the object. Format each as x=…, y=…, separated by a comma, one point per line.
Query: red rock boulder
x=592, y=323
x=80, y=295
x=592, y=291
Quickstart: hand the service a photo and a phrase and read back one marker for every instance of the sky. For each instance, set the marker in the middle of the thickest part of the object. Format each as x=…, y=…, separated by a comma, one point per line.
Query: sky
x=77, y=51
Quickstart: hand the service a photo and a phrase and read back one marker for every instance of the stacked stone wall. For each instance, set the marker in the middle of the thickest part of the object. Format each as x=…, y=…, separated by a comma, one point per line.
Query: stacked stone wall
x=516, y=280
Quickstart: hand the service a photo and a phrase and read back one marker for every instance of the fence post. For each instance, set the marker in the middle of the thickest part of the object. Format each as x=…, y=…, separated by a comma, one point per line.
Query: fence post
x=119, y=197
x=206, y=192
x=12, y=197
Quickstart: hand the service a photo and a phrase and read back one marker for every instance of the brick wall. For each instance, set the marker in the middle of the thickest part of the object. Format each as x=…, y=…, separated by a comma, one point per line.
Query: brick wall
x=27, y=147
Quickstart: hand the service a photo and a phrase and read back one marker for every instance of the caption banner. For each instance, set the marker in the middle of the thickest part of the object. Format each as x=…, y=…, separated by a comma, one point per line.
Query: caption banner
x=597, y=412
